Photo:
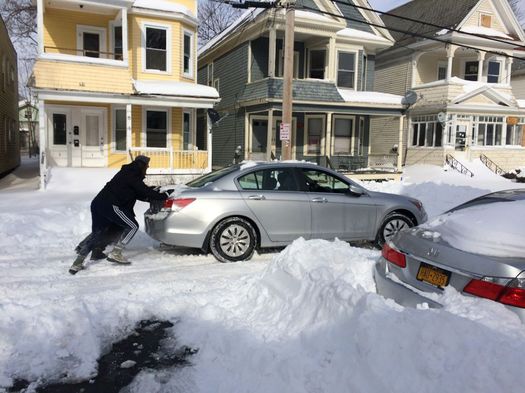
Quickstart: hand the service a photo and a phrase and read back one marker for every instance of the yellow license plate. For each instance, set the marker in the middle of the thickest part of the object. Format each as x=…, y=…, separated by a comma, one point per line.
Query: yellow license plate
x=433, y=275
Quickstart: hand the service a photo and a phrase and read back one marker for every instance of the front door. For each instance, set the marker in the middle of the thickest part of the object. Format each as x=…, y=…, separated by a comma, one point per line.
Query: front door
x=259, y=144
x=92, y=149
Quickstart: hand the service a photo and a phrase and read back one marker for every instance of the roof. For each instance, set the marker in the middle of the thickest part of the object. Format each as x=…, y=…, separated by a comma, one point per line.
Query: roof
x=175, y=89
x=445, y=13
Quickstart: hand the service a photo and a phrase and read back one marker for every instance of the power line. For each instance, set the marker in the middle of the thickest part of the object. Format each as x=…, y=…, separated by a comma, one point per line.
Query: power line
x=449, y=42
x=428, y=23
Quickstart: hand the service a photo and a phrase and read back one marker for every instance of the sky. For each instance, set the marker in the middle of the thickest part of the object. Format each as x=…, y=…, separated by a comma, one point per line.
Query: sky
x=306, y=319
x=385, y=5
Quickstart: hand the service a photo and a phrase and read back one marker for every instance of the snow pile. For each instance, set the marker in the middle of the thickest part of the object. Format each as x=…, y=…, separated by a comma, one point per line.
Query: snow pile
x=468, y=229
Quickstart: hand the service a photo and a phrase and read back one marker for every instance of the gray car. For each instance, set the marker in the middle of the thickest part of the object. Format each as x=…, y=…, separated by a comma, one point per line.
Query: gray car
x=233, y=211
x=416, y=262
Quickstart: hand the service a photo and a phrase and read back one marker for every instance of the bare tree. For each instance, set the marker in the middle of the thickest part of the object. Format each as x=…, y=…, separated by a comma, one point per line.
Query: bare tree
x=214, y=17
x=518, y=10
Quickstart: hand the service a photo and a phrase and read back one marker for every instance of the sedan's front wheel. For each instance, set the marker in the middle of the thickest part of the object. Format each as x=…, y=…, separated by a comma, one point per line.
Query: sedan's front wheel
x=232, y=240
x=393, y=223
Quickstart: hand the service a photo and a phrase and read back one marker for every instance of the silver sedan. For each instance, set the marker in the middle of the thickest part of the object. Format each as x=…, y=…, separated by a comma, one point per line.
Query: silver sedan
x=233, y=211
x=421, y=261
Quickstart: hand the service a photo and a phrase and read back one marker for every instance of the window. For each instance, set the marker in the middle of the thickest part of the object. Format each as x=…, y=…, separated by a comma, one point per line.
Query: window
x=489, y=130
x=156, y=48
x=280, y=68
x=343, y=131
x=91, y=41
x=514, y=135
x=442, y=71
x=314, y=134
x=210, y=74
x=156, y=128
x=320, y=181
x=120, y=127
x=317, y=64
x=471, y=70
x=186, y=132
x=485, y=20
x=346, y=70
x=427, y=132
x=493, y=72
x=363, y=73
x=265, y=180
x=59, y=128
x=188, y=54
x=117, y=43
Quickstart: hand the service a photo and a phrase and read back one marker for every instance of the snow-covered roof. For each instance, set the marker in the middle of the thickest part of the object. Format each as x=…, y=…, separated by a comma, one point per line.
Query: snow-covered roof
x=521, y=103
x=362, y=36
x=484, y=31
x=178, y=89
x=163, y=5
x=314, y=16
x=371, y=97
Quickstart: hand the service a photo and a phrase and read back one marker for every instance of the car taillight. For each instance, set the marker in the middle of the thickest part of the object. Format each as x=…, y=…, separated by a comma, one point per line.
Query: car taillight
x=177, y=204
x=506, y=291
x=394, y=256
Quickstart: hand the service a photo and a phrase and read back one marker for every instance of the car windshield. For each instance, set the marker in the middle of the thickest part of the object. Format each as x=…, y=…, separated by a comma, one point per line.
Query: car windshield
x=212, y=176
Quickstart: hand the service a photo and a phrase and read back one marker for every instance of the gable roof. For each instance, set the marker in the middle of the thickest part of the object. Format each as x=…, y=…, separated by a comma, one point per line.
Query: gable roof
x=446, y=13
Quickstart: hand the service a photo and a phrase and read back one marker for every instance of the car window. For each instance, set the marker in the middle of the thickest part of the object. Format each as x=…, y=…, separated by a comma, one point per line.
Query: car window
x=321, y=181
x=212, y=176
x=281, y=179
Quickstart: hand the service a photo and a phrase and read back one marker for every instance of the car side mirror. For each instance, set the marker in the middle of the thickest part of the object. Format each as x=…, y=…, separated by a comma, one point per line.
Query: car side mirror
x=354, y=190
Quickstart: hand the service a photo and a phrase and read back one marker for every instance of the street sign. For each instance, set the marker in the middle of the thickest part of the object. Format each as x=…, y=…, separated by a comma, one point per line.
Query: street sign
x=284, y=133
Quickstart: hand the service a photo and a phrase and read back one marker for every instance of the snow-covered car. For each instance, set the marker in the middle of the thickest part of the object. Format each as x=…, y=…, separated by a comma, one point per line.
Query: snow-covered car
x=269, y=204
x=478, y=248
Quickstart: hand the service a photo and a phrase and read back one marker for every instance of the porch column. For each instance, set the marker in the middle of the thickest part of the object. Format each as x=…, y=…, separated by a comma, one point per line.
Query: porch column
x=128, y=125
x=124, y=18
x=328, y=141
x=332, y=58
x=40, y=25
x=209, y=141
x=451, y=49
x=42, y=124
x=509, y=70
x=269, y=135
x=400, y=143
x=271, y=52
x=481, y=58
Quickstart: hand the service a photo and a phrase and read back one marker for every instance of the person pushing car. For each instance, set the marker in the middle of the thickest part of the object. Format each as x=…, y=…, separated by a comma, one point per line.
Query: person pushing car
x=113, y=206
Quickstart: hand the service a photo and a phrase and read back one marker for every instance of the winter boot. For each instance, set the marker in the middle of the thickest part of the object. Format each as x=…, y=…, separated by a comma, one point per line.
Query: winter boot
x=77, y=265
x=116, y=256
x=97, y=254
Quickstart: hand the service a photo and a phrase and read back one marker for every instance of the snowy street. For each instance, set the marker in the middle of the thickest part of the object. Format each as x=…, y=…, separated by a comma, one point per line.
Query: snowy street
x=306, y=319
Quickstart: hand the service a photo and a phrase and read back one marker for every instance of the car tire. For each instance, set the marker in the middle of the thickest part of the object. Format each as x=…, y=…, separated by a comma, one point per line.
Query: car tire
x=392, y=224
x=233, y=240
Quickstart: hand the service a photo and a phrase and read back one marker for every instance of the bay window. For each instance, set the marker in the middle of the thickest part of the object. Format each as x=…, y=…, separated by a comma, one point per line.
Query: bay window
x=156, y=55
x=427, y=132
x=346, y=69
x=493, y=72
x=317, y=64
x=471, y=70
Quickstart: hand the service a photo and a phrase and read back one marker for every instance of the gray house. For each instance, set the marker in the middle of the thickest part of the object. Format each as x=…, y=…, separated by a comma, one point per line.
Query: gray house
x=333, y=102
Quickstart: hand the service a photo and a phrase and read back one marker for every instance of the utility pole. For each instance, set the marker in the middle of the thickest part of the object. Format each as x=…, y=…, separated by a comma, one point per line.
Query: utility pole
x=286, y=126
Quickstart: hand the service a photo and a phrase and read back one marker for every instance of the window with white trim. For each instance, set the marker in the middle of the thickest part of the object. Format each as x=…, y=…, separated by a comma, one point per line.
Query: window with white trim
x=280, y=65
x=488, y=130
x=156, y=48
x=515, y=134
x=91, y=41
x=346, y=69
x=485, y=20
x=156, y=128
x=119, y=129
x=442, y=71
x=187, y=65
x=364, y=73
x=210, y=74
x=427, y=132
x=342, y=135
x=117, y=49
x=187, y=134
x=493, y=71
x=317, y=61
x=314, y=134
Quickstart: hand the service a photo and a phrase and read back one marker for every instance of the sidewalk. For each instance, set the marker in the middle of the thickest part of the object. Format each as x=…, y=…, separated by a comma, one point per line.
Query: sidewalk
x=24, y=178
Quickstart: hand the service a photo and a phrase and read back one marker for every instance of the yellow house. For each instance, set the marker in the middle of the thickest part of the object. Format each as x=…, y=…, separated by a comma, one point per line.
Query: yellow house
x=117, y=78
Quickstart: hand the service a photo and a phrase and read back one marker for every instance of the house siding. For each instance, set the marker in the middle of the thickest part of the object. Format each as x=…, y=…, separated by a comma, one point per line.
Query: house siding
x=394, y=79
x=370, y=72
x=259, y=60
x=227, y=135
x=9, y=135
x=384, y=134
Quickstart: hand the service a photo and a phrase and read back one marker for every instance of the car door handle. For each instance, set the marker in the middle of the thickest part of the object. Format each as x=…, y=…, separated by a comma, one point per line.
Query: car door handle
x=320, y=200
x=257, y=197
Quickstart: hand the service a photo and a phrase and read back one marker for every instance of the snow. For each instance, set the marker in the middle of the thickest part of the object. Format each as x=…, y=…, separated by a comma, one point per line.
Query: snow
x=362, y=35
x=174, y=89
x=306, y=319
x=371, y=97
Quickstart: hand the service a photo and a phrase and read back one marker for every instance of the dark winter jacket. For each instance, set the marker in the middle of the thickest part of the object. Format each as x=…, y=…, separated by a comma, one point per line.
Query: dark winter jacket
x=126, y=187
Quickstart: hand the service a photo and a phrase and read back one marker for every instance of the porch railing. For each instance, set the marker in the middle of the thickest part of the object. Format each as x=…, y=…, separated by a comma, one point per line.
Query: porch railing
x=458, y=166
x=375, y=162
x=492, y=165
x=83, y=52
x=172, y=160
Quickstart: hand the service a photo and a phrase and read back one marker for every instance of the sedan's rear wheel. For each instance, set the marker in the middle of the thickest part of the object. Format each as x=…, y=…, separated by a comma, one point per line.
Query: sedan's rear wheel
x=393, y=223
x=232, y=240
